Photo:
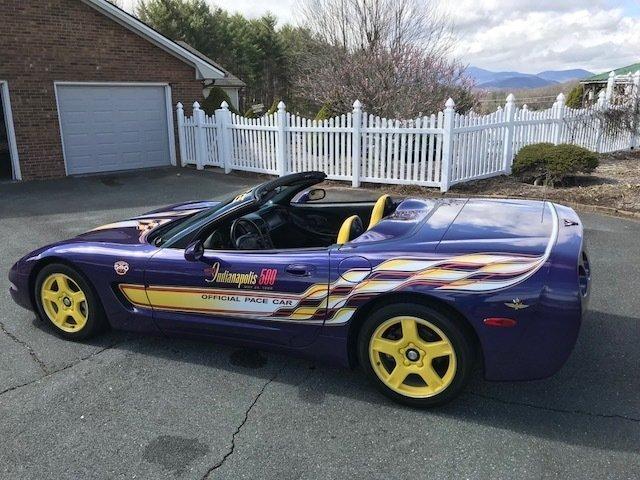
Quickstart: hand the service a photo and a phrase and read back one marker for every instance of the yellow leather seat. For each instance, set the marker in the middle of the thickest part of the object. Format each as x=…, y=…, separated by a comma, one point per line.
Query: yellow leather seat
x=379, y=210
x=351, y=228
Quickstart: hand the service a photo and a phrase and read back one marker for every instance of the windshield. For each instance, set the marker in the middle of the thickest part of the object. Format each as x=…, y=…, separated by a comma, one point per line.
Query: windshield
x=167, y=232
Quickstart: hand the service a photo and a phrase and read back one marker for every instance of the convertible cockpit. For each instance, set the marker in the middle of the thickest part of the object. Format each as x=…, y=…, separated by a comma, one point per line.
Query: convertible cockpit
x=285, y=213
x=298, y=225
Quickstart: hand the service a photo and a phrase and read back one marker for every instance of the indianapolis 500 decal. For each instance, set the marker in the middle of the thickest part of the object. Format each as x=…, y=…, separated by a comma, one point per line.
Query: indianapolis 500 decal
x=335, y=303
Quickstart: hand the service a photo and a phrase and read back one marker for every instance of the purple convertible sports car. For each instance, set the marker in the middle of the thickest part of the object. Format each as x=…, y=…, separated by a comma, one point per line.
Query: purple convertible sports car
x=415, y=291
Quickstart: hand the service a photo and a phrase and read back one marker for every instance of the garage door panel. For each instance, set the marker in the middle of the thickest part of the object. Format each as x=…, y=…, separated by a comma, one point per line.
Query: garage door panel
x=80, y=144
x=83, y=151
x=128, y=137
x=104, y=118
x=131, y=116
x=107, y=159
x=107, y=138
x=108, y=127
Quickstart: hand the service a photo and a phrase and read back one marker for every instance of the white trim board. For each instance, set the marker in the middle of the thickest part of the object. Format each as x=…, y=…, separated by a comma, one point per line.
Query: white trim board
x=204, y=70
x=170, y=126
x=11, y=132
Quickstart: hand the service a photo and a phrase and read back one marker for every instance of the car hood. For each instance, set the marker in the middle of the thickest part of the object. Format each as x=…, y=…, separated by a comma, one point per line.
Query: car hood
x=136, y=229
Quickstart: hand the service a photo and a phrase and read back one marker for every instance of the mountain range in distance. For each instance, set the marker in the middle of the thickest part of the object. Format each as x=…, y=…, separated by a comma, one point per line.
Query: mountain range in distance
x=489, y=80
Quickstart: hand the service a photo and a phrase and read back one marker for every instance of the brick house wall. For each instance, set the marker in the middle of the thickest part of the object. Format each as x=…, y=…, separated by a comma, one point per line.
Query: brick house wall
x=67, y=40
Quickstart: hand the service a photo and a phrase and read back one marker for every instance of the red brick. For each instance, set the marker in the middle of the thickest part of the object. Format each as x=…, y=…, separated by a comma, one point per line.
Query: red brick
x=67, y=40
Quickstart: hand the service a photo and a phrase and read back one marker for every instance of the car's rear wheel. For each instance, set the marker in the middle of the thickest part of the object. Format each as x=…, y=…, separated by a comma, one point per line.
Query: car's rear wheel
x=66, y=300
x=415, y=354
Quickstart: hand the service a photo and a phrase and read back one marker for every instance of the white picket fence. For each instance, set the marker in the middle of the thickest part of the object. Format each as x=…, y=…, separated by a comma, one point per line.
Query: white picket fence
x=434, y=151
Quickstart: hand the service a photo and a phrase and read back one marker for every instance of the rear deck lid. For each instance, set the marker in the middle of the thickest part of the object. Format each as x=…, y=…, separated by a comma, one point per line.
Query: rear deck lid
x=516, y=226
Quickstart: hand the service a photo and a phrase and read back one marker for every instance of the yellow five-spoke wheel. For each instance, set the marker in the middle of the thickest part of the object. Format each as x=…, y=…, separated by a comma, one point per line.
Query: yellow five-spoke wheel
x=66, y=300
x=416, y=354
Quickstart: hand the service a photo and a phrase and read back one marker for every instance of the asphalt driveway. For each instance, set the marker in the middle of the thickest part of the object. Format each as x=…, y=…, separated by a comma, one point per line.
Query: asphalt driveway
x=126, y=406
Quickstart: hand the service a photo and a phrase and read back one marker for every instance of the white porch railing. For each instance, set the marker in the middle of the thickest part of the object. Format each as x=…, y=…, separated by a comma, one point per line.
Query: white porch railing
x=434, y=151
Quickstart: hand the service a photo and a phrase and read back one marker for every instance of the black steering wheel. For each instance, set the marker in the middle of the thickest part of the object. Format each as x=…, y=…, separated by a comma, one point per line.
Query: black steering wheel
x=247, y=235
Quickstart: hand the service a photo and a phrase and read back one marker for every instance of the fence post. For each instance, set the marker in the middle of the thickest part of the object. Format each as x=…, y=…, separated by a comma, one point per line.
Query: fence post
x=601, y=104
x=509, y=116
x=610, y=83
x=559, y=114
x=181, y=144
x=447, y=144
x=356, y=143
x=635, y=99
x=222, y=132
x=602, y=99
x=200, y=140
x=281, y=140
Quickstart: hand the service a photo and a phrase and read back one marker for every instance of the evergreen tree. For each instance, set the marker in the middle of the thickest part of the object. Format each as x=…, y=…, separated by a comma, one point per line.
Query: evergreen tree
x=256, y=51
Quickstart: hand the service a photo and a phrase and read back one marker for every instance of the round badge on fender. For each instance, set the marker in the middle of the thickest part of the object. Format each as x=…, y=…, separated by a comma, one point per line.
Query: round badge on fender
x=121, y=267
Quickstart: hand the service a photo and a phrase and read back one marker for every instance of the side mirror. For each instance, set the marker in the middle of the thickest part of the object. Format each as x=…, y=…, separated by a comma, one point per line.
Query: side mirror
x=194, y=251
x=316, y=194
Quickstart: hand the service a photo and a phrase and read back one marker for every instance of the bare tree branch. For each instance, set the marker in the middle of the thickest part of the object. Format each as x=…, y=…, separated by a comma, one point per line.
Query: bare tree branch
x=392, y=55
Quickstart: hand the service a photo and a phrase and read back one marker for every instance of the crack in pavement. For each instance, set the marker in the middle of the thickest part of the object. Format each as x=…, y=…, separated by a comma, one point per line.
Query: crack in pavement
x=239, y=428
x=24, y=344
x=61, y=369
x=556, y=410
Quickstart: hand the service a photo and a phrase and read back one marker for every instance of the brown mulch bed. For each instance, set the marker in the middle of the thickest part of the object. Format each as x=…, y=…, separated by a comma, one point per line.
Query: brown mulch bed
x=615, y=185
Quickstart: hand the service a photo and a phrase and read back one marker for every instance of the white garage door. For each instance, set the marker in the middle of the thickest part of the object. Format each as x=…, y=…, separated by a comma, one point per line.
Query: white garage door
x=106, y=128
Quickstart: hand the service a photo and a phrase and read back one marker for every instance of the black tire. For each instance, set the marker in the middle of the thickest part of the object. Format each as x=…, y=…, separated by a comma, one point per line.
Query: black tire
x=95, y=319
x=455, y=331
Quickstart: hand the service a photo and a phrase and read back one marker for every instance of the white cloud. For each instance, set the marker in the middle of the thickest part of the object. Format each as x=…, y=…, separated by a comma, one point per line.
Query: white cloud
x=535, y=36
x=524, y=35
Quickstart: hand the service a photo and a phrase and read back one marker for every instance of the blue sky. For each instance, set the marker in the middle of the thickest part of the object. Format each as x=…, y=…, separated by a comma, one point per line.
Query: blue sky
x=631, y=7
x=524, y=35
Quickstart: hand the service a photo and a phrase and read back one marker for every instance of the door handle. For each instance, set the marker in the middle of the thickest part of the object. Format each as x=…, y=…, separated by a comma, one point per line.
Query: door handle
x=299, y=270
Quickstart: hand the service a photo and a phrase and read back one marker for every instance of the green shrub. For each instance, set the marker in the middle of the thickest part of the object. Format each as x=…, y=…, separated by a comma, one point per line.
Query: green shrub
x=215, y=99
x=273, y=108
x=325, y=112
x=530, y=162
x=570, y=159
x=551, y=164
x=574, y=99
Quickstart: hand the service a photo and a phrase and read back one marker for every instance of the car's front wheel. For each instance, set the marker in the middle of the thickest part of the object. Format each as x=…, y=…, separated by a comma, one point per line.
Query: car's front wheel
x=66, y=300
x=415, y=354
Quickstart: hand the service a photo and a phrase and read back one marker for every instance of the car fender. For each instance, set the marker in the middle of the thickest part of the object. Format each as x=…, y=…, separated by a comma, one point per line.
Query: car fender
x=97, y=263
